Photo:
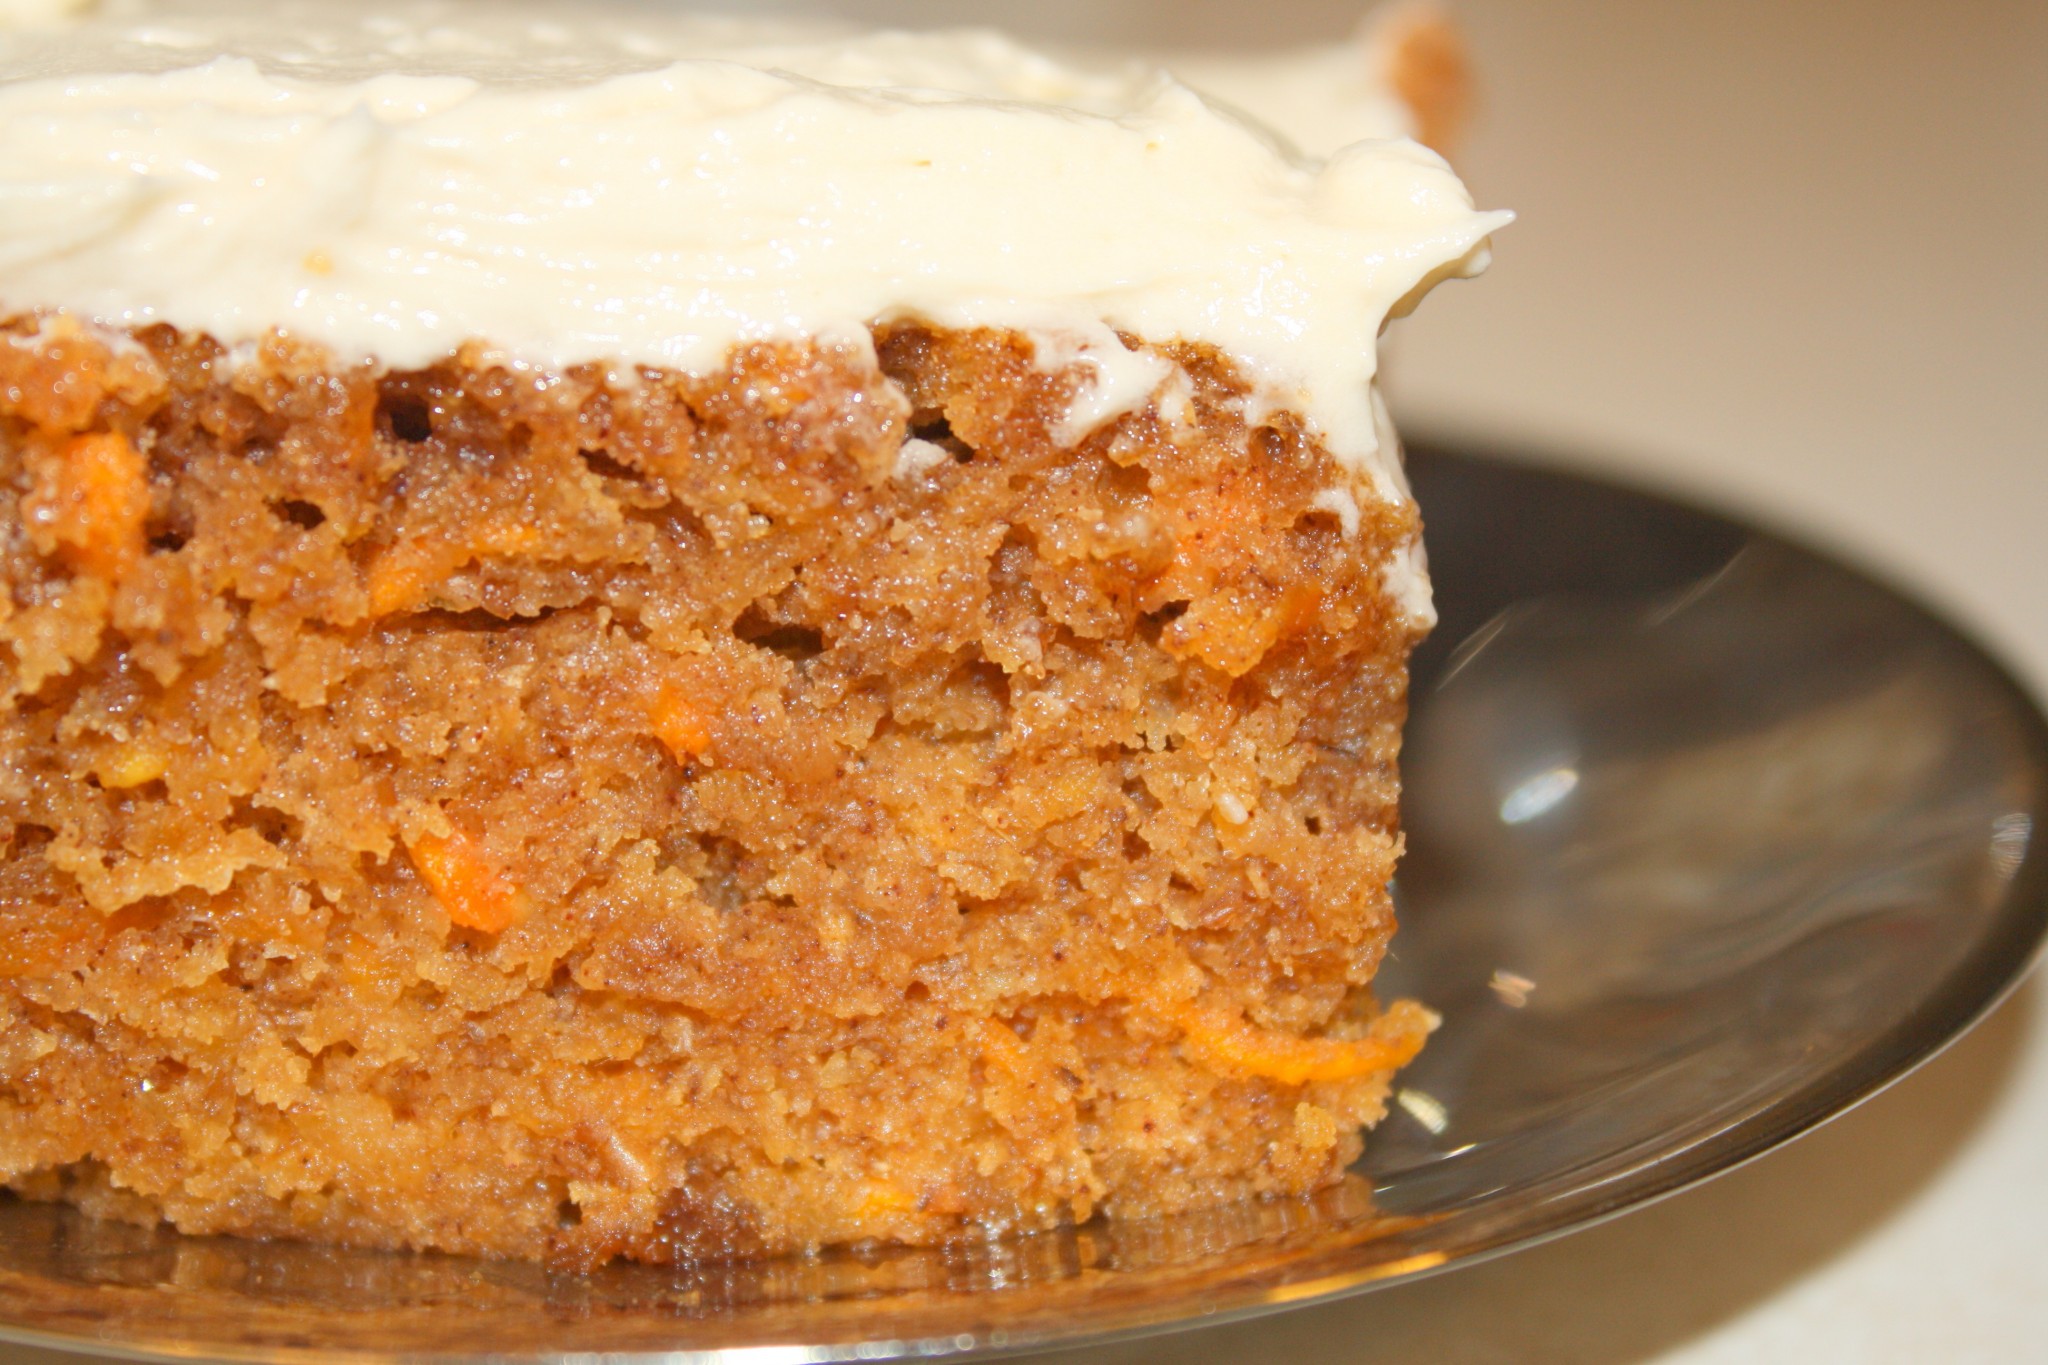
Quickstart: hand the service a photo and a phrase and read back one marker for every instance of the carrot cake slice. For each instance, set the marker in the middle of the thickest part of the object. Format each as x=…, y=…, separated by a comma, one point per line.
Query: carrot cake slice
x=630, y=637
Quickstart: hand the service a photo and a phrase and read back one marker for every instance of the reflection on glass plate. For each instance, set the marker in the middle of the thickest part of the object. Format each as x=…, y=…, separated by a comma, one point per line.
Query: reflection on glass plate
x=1710, y=838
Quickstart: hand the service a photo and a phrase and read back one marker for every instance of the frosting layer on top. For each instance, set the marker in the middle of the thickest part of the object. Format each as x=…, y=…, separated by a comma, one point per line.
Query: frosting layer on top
x=581, y=183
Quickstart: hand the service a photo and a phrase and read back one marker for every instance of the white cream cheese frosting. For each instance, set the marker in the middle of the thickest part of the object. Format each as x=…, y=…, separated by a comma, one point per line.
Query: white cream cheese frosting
x=1320, y=97
x=26, y=12
x=591, y=183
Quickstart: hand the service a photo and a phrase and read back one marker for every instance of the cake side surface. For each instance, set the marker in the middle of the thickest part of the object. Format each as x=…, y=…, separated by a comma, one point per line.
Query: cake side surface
x=559, y=814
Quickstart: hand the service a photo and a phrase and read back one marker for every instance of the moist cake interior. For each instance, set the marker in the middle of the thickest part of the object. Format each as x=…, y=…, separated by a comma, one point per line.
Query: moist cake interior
x=607, y=811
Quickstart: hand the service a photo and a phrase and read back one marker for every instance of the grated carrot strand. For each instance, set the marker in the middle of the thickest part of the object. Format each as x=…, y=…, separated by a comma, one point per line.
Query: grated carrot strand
x=469, y=886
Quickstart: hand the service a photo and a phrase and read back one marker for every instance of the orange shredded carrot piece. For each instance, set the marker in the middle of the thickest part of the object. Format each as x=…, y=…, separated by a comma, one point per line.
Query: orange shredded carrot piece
x=1001, y=1045
x=393, y=586
x=883, y=1198
x=679, y=724
x=401, y=577
x=1231, y=1043
x=94, y=498
x=131, y=765
x=468, y=885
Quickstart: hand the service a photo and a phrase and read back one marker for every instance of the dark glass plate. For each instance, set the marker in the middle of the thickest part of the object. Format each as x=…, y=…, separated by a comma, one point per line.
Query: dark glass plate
x=1710, y=838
